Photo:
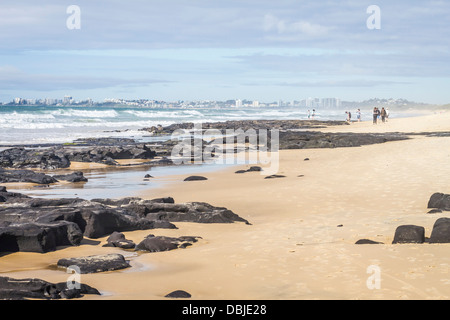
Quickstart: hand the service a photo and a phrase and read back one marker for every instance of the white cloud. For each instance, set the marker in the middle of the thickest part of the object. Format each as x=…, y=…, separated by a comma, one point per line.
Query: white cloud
x=272, y=23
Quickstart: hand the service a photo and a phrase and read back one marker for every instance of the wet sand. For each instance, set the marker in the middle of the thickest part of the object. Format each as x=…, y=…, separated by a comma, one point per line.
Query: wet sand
x=304, y=226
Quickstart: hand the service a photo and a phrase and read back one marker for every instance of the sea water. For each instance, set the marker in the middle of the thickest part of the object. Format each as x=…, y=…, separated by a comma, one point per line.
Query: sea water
x=56, y=124
x=53, y=124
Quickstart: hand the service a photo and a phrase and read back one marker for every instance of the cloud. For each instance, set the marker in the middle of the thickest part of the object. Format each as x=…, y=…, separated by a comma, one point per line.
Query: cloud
x=354, y=83
x=272, y=23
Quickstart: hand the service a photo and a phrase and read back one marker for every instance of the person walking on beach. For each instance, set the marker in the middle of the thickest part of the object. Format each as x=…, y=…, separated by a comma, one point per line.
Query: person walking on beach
x=309, y=114
x=314, y=113
x=387, y=114
x=349, y=116
x=383, y=115
x=358, y=115
x=375, y=115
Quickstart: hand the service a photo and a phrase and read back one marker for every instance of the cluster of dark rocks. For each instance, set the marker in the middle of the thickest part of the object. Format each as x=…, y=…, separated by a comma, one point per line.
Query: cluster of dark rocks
x=313, y=139
x=21, y=175
x=42, y=225
x=61, y=156
x=24, y=289
x=245, y=125
x=150, y=243
x=416, y=234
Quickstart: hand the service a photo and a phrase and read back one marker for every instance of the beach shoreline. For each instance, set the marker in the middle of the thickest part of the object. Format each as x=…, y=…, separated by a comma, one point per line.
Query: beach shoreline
x=301, y=241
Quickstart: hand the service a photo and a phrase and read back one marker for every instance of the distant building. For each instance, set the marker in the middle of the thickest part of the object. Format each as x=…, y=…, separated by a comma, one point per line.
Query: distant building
x=67, y=100
x=238, y=103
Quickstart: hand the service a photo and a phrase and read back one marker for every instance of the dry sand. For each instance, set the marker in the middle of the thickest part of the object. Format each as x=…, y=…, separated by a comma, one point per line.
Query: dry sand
x=304, y=226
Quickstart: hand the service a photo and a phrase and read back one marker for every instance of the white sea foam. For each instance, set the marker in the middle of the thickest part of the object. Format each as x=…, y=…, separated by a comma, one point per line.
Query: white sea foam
x=85, y=113
x=20, y=125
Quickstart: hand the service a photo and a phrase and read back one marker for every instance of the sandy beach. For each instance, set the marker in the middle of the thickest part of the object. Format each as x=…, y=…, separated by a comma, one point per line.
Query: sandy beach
x=301, y=241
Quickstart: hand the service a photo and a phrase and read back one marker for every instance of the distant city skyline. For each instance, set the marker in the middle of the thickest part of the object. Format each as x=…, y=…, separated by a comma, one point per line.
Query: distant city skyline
x=209, y=50
x=309, y=103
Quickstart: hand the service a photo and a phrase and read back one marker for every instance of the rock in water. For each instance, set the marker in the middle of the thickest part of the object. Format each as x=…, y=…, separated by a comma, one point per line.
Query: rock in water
x=409, y=234
x=72, y=177
x=441, y=231
x=98, y=263
x=25, y=176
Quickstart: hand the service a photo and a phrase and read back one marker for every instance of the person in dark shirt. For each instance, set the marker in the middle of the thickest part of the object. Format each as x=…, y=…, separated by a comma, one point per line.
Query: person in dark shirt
x=383, y=115
x=375, y=115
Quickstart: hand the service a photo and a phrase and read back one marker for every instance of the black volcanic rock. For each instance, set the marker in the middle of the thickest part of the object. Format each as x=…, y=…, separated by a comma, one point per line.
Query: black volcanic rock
x=37, y=237
x=61, y=156
x=72, y=177
x=409, y=234
x=178, y=294
x=195, y=178
x=41, y=225
x=441, y=231
x=274, y=176
x=25, y=176
x=439, y=201
x=313, y=139
x=199, y=212
x=367, y=241
x=52, y=158
x=161, y=243
x=117, y=239
x=97, y=263
x=23, y=289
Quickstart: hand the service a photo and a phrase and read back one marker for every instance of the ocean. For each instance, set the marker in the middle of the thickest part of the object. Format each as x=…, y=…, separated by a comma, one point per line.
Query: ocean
x=21, y=125
x=53, y=124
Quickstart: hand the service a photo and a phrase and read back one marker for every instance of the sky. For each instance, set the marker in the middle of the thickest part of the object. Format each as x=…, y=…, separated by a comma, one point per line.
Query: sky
x=261, y=50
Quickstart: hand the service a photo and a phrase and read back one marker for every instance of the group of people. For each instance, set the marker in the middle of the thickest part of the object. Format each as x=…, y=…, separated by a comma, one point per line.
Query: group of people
x=378, y=114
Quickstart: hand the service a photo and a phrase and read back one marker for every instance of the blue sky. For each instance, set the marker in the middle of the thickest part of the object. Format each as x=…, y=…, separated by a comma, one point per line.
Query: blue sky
x=225, y=49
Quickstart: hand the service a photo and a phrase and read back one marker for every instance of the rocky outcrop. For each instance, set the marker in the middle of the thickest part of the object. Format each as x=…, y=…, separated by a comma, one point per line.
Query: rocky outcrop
x=251, y=169
x=23, y=289
x=199, y=212
x=409, y=234
x=441, y=231
x=7, y=176
x=39, y=237
x=77, y=176
x=97, y=263
x=367, y=241
x=42, y=225
x=62, y=156
x=117, y=239
x=246, y=125
x=161, y=243
x=439, y=201
x=312, y=140
x=195, y=178
x=52, y=158
x=178, y=294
